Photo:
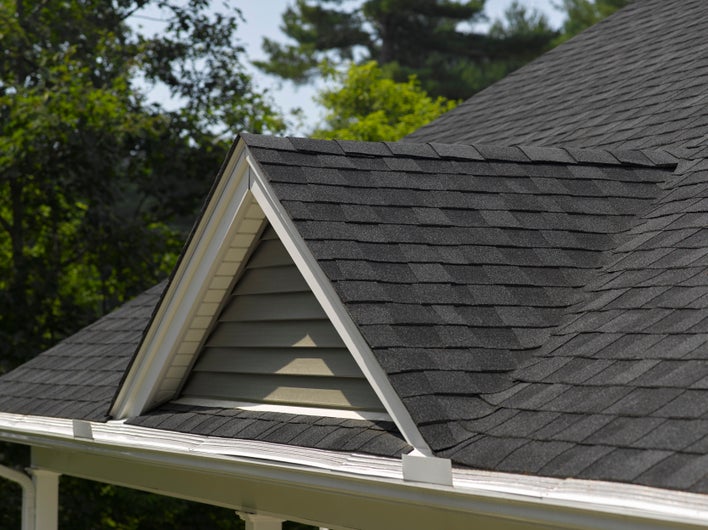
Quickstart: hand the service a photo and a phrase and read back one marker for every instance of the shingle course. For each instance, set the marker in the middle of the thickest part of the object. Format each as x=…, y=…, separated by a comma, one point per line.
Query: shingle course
x=584, y=93
x=379, y=438
x=79, y=376
x=528, y=303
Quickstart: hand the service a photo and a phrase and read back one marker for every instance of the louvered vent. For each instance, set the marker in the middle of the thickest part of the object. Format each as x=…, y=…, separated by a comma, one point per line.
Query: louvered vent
x=274, y=344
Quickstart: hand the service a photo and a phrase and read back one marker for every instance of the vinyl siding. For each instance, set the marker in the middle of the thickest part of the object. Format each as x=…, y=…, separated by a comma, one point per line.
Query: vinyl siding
x=274, y=344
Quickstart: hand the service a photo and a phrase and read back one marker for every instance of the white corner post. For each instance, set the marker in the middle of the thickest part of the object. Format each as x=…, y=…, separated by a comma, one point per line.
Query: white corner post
x=46, y=489
x=256, y=521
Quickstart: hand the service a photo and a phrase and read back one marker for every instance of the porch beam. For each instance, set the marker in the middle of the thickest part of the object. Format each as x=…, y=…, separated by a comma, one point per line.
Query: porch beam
x=331, y=500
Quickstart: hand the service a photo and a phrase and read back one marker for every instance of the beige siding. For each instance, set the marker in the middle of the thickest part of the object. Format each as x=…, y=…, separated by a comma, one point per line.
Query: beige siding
x=334, y=392
x=271, y=280
x=274, y=344
x=269, y=307
x=297, y=334
x=303, y=361
x=228, y=264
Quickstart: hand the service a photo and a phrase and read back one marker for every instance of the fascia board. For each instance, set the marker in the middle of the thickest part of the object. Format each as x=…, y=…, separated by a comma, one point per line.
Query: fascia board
x=546, y=502
x=333, y=307
x=184, y=291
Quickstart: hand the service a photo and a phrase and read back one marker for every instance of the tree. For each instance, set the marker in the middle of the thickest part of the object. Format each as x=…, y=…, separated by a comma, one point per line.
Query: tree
x=95, y=180
x=581, y=14
x=521, y=35
x=430, y=39
x=96, y=183
x=367, y=105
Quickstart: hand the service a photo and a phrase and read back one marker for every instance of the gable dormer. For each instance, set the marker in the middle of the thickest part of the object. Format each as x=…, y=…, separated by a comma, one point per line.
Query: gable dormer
x=250, y=320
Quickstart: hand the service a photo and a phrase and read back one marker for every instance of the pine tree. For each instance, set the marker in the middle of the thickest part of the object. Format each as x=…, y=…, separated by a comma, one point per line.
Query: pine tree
x=431, y=39
x=581, y=14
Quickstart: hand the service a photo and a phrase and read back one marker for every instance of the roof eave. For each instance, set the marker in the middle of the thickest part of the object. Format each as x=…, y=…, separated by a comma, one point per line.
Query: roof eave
x=118, y=453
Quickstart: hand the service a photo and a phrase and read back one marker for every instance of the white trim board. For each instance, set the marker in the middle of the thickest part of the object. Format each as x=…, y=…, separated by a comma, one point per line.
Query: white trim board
x=117, y=452
x=285, y=409
x=185, y=291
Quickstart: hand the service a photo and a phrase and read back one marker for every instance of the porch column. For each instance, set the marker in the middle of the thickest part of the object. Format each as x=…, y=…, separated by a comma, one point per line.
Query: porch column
x=255, y=521
x=46, y=487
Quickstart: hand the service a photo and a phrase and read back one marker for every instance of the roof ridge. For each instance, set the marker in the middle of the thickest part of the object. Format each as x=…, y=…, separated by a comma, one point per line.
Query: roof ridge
x=653, y=158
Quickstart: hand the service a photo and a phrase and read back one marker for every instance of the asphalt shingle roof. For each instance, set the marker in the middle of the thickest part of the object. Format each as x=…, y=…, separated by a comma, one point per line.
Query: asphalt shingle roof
x=620, y=390
x=457, y=267
x=334, y=434
x=539, y=310
x=635, y=80
x=79, y=376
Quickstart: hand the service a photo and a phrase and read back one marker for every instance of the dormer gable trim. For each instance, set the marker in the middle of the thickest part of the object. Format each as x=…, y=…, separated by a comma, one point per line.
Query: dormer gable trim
x=184, y=293
x=241, y=186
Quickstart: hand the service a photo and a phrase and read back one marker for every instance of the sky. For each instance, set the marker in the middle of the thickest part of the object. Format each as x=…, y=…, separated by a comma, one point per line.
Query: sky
x=263, y=18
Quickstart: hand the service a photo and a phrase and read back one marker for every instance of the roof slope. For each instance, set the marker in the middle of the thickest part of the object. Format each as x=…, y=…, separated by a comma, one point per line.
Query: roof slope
x=636, y=79
x=334, y=434
x=620, y=391
x=79, y=376
x=511, y=295
x=504, y=295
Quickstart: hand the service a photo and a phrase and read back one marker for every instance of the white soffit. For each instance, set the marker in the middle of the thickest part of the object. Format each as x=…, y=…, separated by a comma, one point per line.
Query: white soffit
x=231, y=223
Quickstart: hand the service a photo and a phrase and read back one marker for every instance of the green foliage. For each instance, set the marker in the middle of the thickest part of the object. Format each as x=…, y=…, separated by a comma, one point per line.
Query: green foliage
x=88, y=505
x=366, y=104
x=430, y=39
x=98, y=186
x=581, y=14
x=315, y=28
x=519, y=21
x=521, y=36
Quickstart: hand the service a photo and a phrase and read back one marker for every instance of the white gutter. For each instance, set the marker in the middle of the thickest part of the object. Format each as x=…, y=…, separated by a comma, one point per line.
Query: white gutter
x=546, y=502
x=27, y=486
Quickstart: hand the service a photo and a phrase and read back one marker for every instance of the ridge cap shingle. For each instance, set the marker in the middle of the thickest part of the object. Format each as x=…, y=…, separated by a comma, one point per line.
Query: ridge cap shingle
x=489, y=152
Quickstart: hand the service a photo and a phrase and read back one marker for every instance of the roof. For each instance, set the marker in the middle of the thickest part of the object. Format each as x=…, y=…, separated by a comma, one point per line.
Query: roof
x=334, y=434
x=537, y=309
x=635, y=80
x=472, y=273
x=620, y=390
x=79, y=376
x=462, y=266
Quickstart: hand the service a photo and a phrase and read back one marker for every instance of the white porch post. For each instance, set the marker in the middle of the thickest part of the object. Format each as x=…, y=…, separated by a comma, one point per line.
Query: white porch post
x=259, y=522
x=46, y=487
